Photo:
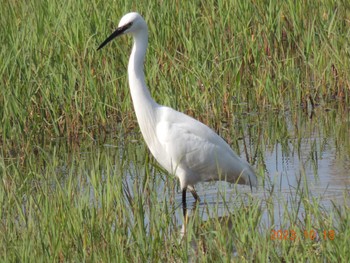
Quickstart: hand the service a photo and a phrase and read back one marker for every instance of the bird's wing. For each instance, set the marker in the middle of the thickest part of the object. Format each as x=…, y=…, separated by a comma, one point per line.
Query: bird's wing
x=194, y=146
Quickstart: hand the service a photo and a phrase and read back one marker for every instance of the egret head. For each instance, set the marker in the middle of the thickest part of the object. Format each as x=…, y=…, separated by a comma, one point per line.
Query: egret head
x=130, y=23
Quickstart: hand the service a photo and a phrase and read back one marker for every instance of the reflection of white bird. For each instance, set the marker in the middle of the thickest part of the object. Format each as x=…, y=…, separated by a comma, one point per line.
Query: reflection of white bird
x=182, y=145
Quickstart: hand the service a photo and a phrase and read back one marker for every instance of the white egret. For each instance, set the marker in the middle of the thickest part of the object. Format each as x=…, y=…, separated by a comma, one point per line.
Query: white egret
x=184, y=146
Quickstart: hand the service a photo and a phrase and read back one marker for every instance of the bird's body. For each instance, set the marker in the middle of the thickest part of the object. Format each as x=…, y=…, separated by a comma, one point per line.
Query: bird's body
x=182, y=145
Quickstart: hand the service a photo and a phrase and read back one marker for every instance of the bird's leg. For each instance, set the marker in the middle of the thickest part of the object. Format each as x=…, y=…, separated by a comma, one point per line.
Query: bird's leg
x=184, y=208
x=184, y=204
x=194, y=193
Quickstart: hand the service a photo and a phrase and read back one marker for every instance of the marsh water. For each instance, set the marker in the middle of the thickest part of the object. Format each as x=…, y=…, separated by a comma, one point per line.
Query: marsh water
x=311, y=157
x=297, y=155
x=303, y=154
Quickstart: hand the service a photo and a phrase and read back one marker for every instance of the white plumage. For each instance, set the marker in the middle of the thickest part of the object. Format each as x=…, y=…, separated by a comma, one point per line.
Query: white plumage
x=182, y=145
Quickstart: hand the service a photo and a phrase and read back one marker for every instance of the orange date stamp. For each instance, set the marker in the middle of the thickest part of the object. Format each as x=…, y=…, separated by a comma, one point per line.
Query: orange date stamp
x=292, y=235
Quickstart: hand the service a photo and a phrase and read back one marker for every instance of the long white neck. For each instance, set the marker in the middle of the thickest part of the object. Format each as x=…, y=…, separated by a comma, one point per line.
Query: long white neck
x=144, y=105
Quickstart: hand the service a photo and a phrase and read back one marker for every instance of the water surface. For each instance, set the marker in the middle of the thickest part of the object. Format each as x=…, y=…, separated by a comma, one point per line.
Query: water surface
x=300, y=153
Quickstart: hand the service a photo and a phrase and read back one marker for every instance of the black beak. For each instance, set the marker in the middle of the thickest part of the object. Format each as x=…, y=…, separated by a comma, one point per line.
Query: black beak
x=119, y=31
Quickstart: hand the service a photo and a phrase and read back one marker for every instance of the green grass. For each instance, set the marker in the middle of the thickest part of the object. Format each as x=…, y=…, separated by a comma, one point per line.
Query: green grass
x=204, y=59
x=107, y=204
x=238, y=66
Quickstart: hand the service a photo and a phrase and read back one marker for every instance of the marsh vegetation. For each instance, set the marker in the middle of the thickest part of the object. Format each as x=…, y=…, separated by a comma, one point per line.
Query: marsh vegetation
x=77, y=181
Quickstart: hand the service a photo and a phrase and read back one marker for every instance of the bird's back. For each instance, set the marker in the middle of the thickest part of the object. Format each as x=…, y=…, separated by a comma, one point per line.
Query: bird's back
x=192, y=150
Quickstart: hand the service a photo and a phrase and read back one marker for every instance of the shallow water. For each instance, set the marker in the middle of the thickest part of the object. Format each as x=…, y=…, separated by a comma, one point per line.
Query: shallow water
x=293, y=154
x=313, y=159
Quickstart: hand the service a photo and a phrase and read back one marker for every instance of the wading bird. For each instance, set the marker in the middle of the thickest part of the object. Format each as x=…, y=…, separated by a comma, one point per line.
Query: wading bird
x=184, y=146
